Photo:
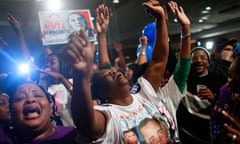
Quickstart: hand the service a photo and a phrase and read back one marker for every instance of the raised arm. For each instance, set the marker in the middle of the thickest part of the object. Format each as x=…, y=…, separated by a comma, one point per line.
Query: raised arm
x=102, y=22
x=17, y=28
x=3, y=44
x=184, y=21
x=118, y=49
x=157, y=66
x=60, y=77
x=80, y=55
x=182, y=68
x=142, y=58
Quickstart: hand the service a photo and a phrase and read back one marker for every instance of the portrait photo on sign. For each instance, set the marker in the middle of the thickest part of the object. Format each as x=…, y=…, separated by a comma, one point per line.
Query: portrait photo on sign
x=57, y=27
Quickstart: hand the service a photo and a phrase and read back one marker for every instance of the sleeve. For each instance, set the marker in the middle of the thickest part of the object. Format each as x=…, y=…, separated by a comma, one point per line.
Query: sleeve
x=181, y=72
x=111, y=134
x=108, y=66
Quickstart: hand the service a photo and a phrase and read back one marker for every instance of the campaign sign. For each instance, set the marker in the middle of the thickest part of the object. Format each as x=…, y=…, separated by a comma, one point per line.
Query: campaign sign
x=57, y=27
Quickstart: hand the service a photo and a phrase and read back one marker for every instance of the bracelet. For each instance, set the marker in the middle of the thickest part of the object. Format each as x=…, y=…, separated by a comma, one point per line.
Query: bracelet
x=185, y=36
x=142, y=53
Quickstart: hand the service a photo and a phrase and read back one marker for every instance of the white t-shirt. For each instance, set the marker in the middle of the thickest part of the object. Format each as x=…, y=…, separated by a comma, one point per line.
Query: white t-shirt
x=146, y=104
x=171, y=98
x=63, y=98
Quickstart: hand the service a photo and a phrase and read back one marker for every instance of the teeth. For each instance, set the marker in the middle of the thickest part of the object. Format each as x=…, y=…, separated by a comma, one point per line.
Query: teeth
x=31, y=111
x=32, y=115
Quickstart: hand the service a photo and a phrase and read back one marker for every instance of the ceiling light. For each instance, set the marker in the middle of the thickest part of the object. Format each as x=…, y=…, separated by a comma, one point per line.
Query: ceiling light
x=116, y=1
x=54, y=4
x=205, y=12
x=175, y=20
x=208, y=8
x=205, y=17
x=199, y=43
x=209, y=45
x=200, y=20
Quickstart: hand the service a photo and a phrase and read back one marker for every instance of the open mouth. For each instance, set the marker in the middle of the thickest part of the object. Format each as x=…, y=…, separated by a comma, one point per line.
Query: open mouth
x=118, y=77
x=31, y=113
x=198, y=66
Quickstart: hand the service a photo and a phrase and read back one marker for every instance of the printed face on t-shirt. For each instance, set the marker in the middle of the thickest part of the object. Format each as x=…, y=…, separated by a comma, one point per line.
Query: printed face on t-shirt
x=154, y=133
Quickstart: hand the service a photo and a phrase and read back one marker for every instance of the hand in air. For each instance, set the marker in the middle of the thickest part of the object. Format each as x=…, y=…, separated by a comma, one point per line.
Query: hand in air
x=80, y=53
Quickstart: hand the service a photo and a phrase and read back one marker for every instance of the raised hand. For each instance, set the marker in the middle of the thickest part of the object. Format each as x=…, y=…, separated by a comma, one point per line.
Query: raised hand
x=153, y=6
x=102, y=23
x=80, y=53
x=17, y=28
x=14, y=23
x=117, y=47
x=143, y=40
x=102, y=18
x=179, y=13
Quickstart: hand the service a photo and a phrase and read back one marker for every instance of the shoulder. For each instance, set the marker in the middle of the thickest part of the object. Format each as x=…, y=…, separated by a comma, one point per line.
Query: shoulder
x=135, y=88
x=4, y=138
x=64, y=133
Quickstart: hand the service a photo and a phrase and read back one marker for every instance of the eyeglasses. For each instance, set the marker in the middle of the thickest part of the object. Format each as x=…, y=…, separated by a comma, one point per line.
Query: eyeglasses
x=202, y=57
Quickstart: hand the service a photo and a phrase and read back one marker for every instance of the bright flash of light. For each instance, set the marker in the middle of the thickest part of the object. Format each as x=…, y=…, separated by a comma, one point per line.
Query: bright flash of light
x=54, y=4
x=23, y=68
x=209, y=45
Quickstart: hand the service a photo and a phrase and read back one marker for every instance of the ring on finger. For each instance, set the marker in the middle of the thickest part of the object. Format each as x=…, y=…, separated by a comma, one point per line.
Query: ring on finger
x=101, y=22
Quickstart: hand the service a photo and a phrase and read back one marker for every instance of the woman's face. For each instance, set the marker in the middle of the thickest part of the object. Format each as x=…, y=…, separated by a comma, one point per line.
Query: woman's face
x=52, y=63
x=4, y=108
x=111, y=81
x=77, y=22
x=113, y=78
x=31, y=110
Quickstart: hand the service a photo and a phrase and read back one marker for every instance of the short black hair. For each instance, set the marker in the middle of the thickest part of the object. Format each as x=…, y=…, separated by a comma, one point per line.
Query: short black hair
x=13, y=82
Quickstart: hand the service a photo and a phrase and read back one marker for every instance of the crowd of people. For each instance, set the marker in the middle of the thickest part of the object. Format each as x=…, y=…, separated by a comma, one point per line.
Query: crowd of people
x=74, y=100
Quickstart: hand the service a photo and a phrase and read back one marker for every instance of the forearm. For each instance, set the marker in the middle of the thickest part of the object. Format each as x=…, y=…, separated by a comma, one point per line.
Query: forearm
x=103, y=51
x=82, y=105
x=182, y=68
x=181, y=72
x=23, y=45
x=185, y=41
x=142, y=57
x=157, y=66
x=161, y=48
